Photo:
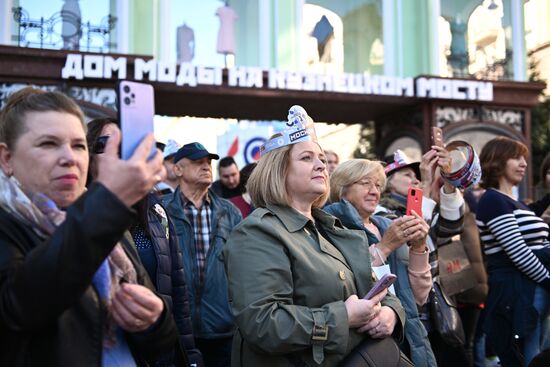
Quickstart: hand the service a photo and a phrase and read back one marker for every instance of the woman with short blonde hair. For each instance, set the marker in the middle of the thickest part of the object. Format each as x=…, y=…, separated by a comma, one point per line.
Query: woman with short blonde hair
x=356, y=186
x=295, y=275
x=352, y=171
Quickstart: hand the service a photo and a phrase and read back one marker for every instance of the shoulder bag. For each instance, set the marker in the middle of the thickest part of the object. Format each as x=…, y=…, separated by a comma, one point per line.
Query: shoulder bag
x=445, y=318
x=376, y=353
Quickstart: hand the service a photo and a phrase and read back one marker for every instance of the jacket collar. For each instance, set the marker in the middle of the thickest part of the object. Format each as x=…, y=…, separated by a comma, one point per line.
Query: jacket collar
x=295, y=221
x=185, y=201
x=347, y=213
x=175, y=203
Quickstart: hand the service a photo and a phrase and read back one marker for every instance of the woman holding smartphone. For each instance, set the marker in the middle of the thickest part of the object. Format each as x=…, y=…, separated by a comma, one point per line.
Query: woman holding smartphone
x=70, y=293
x=355, y=188
x=296, y=276
x=442, y=209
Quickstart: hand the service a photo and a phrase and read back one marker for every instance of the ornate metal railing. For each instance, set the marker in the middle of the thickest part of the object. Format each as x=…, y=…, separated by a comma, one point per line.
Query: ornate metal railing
x=499, y=70
x=64, y=30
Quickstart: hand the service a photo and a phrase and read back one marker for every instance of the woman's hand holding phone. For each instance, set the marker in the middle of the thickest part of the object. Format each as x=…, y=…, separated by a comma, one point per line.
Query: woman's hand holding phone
x=381, y=284
x=361, y=311
x=393, y=238
x=131, y=179
x=417, y=233
x=382, y=325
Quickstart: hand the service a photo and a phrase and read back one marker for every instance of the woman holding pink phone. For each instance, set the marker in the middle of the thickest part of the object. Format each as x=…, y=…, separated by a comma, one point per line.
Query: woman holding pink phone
x=443, y=210
x=355, y=189
x=296, y=275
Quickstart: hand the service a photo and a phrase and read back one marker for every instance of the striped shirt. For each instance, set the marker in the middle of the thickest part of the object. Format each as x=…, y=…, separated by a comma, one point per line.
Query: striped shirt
x=509, y=226
x=200, y=219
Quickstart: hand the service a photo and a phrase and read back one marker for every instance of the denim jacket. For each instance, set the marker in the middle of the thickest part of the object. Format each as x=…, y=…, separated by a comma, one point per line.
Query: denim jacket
x=420, y=349
x=210, y=309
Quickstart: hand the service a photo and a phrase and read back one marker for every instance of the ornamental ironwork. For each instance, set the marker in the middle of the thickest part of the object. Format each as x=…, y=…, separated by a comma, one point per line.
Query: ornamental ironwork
x=497, y=70
x=453, y=115
x=63, y=30
x=105, y=97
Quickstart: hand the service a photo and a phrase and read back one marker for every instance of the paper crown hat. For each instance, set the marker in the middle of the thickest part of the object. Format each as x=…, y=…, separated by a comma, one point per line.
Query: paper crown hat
x=299, y=128
x=400, y=160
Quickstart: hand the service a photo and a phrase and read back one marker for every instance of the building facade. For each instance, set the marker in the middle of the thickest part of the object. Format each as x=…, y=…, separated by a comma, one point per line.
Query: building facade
x=396, y=66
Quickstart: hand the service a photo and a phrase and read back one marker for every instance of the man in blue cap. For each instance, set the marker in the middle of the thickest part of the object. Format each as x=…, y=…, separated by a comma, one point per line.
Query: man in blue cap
x=203, y=221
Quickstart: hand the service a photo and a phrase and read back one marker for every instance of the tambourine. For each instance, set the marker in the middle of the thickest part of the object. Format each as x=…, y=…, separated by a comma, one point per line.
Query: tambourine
x=465, y=168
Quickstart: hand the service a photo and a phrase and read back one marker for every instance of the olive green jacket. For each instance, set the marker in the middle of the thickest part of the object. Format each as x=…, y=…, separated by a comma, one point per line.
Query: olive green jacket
x=287, y=288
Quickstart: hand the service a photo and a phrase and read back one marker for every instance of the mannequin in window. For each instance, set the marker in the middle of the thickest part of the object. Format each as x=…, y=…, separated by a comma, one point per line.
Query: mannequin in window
x=70, y=28
x=185, y=43
x=459, y=51
x=226, y=34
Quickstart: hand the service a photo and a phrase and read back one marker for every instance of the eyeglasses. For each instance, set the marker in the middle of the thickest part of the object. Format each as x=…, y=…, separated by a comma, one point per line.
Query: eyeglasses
x=369, y=184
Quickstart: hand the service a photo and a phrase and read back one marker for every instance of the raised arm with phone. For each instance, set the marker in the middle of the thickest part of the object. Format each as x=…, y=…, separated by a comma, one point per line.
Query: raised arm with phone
x=136, y=111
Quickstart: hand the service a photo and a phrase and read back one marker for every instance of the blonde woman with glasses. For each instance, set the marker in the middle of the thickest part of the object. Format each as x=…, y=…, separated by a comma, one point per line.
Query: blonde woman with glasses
x=355, y=189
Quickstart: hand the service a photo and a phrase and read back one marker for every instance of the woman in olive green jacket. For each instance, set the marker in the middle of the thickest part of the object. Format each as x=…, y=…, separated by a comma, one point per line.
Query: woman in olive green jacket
x=296, y=276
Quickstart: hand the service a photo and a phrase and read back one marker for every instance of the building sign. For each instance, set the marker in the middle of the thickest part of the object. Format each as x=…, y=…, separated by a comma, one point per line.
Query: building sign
x=80, y=66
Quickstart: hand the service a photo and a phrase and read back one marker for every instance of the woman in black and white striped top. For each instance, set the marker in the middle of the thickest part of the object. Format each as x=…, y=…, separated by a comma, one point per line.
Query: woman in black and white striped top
x=517, y=250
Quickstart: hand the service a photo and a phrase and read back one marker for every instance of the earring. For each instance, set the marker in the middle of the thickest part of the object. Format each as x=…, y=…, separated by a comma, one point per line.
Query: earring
x=8, y=172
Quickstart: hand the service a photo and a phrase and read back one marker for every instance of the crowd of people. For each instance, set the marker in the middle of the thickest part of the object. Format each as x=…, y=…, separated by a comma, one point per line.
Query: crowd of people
x=148, y=262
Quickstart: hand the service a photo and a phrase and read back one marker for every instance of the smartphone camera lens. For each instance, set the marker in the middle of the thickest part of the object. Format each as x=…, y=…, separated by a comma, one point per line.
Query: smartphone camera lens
x=127, y=101
x=126, y=89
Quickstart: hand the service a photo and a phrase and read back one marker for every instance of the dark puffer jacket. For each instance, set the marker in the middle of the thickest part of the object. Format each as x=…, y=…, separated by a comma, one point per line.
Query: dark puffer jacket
x=50, y=314
x=170, y=274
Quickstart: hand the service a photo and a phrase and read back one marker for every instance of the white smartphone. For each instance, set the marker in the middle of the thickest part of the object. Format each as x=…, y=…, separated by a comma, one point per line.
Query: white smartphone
x=136, y=110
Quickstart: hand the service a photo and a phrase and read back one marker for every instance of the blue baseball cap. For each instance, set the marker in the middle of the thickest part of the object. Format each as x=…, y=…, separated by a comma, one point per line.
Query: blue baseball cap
x=193, y=151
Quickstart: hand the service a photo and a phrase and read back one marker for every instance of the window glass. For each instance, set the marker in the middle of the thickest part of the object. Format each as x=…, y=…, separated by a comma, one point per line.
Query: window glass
x=197, y=24
x=356, y=45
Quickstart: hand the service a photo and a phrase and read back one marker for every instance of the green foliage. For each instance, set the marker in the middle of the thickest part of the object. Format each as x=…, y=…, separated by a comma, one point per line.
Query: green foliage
x=365, y=145
x=540, y=126
x=540, y=135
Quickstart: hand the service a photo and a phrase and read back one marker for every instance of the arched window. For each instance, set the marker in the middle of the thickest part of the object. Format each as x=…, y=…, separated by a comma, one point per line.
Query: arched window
x=323, y=40
x=487, y=42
